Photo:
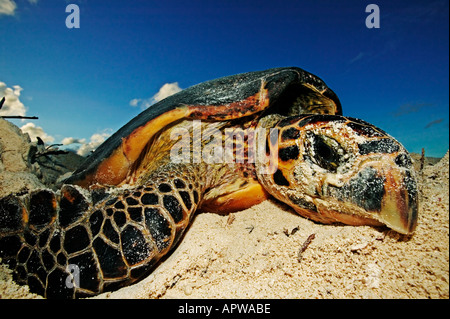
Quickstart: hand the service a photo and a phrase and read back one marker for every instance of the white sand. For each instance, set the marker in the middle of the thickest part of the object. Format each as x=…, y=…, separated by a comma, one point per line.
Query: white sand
x=250, y=255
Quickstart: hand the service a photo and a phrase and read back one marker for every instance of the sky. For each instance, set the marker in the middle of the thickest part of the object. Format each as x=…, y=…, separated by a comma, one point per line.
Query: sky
x=85, y=83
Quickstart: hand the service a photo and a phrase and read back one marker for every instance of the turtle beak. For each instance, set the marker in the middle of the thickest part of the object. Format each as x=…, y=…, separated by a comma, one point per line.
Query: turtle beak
x=400, y=201
x=383, y=192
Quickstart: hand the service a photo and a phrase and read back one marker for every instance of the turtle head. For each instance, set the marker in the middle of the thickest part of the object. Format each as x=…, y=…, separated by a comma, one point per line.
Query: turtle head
x=335, y=169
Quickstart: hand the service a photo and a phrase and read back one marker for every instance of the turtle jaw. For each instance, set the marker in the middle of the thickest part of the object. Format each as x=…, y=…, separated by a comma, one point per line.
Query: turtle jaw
x=382, y=192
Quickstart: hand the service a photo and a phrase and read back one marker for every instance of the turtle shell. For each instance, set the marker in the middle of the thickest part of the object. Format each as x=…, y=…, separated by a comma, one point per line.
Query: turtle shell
x=247, y=94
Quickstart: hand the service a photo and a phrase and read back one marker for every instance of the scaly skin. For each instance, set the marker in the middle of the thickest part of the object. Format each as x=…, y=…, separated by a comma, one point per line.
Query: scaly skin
x=81, y=243
x=105, y=238
x=113, y=242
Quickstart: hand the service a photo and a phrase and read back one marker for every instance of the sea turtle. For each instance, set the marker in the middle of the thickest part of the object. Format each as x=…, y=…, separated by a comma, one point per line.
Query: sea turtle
x=129, y=203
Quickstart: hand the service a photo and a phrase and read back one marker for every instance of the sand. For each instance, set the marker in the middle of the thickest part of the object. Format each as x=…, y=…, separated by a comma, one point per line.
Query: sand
x=255, y=254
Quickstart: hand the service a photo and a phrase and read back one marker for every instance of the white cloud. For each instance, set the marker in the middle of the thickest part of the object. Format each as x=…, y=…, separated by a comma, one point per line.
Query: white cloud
x=86, y=148
x=12, y=105
x=35, y=131
x=7, y=7
x=166, y=90
x=135, y=102
x=72, y=140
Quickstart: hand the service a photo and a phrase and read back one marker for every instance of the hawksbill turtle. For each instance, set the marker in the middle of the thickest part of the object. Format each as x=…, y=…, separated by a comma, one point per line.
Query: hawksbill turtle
x=129, y=203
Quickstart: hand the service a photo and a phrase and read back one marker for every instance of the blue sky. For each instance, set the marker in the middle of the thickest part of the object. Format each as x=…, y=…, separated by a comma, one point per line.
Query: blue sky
x=80, y=82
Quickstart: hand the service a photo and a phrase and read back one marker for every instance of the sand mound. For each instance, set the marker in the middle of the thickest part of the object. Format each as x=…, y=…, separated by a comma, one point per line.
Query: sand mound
x=255, y=254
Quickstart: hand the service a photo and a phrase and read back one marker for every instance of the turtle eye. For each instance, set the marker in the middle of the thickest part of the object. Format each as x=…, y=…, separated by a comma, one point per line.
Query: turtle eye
x=325, y=152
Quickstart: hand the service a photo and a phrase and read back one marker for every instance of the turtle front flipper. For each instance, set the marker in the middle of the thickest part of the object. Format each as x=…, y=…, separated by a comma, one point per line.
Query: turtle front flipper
x=82, y=243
